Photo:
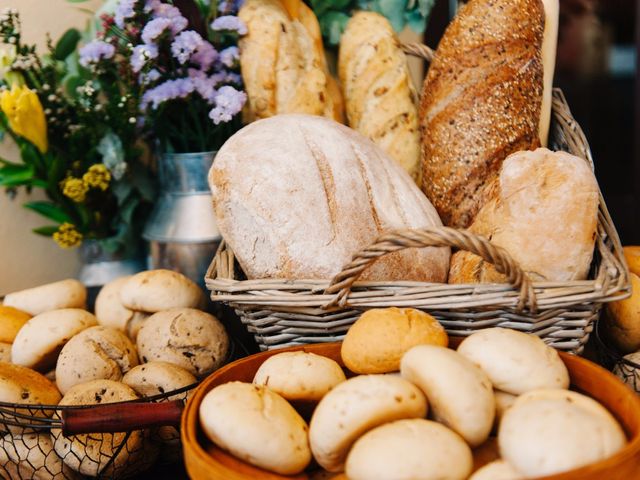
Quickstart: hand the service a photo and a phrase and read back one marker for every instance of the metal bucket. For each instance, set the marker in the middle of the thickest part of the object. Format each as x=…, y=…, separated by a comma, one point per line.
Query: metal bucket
x=181, y=230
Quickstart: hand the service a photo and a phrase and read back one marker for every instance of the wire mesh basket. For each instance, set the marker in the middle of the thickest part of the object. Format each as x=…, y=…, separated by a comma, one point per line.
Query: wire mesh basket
x=624, y=368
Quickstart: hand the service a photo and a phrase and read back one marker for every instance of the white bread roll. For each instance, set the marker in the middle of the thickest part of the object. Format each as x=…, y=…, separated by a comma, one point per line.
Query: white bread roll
x=157, y=290
x=356, y=406
x=544, y=213
x=504, y=401
x=497, y=470
x=547, y=432
x=256, y=425
x=39, y=342
x=110, y=311
x=52, y=296
x=93, y=354
x=414, y=449
x=515, y=362
x=299, y=375
x=295, y=196
x=461, y=395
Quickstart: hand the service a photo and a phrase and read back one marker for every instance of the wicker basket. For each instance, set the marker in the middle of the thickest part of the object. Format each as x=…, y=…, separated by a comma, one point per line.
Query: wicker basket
x=282, y=312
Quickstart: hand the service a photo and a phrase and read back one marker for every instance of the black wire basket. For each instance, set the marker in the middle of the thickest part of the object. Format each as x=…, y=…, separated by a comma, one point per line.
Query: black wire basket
x=627, y=370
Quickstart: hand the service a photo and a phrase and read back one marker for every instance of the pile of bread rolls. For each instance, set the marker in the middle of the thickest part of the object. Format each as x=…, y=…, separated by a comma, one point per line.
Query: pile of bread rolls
x=409, y=407
x=147, y=338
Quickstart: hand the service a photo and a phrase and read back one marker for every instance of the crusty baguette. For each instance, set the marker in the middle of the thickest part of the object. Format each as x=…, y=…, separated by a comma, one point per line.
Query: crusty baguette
x=283, y=63
x=380, y=99
x=481, y=101
x=544, y=213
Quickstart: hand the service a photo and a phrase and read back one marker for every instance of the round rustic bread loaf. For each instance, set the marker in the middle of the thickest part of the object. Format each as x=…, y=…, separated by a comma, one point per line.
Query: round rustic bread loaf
x=23, y=385
x=622, y=320
x=504, y=401
x=31, y=455
x=256, y=425
x=93, y=354
x=110, y=311
x=461, y=395
x=155, y=378
x=135, y=324
x=52, y=296
x=296, y=196
x=92, y=454
x=515, y=362
x=550, y=431
x=299, y=375
x=416, y=449
x=376, y=342
x=627, y=373
x=11, y=320
x=356, y=406
x=158, y=290
x=39, y=342
x=189, y=338
x=497, y=470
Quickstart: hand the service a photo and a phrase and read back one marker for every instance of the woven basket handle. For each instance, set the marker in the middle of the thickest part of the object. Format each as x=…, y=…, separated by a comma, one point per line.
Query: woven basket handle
x=432, y=237
x=418, y=50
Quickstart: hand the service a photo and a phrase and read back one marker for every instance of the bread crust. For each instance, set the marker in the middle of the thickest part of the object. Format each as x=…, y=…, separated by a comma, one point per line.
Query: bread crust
x=481, y=101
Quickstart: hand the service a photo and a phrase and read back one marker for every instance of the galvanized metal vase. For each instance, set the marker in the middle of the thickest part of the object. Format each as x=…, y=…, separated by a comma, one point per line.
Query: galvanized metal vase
x=181, y=229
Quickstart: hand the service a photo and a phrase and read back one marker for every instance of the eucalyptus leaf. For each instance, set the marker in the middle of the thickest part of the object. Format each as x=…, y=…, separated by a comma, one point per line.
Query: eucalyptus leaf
x=416, y=21
x=393, y=10
x=45, y=231
x=49, y=210
x=332, y=25
x=425, y=7
x=67, y=44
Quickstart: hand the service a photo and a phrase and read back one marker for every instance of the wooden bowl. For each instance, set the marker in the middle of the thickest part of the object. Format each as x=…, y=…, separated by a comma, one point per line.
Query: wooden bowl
x=206, y=461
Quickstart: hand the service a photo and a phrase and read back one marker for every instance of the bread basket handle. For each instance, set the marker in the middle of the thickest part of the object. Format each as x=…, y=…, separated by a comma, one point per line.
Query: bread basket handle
x=121, y=417
x=432, y=237
x=418, y=50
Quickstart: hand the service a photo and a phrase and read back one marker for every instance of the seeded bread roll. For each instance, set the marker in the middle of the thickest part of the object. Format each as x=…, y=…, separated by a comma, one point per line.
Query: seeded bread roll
x=189, y=338
x=155, y=378
x=11, y=320
x=52, y=296
x=157, y=290
x=93, y=454
x=39, y=342
x=93, y=354
x=110, y=311
x=380, y=99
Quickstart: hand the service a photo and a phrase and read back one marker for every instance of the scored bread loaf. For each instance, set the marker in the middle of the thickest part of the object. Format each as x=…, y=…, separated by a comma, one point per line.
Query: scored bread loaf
x=544, y=213
x=380, y=99
x=282, y=60
x=481, y=101
x=296, y=196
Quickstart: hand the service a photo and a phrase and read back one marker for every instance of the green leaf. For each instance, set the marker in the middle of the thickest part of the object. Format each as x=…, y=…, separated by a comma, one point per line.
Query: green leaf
x=128, y=208
x=67, y=43
x=394, y=11
x=14, y=175
x=46, y=231
x=332, y=25
x=416, y=21
x=49, y=210
x=320, y=7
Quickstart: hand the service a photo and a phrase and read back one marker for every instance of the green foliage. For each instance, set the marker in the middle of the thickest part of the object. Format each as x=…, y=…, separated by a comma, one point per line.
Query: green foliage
x=67, y=44
x=48, y=210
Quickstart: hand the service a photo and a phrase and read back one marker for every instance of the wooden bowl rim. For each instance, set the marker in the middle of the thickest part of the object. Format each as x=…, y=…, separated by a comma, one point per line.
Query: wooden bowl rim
x=190, y=424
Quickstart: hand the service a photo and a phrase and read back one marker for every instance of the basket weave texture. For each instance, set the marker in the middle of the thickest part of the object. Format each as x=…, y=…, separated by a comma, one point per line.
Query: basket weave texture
x=281, y=312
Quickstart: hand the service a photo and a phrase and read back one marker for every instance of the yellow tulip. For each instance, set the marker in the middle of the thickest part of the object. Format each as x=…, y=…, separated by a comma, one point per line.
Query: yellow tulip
x=26, y=117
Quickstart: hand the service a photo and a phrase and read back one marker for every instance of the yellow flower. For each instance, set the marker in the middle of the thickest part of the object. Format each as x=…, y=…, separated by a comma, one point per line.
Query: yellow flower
x=98, y=176
x=75, y=188
x=7, y=57
x=26, y=117
x=67, y=236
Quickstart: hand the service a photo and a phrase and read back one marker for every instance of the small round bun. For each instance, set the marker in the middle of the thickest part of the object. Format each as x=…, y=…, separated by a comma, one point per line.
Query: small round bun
x=628, y=373
x=53, y=296
x=155, y=378
x=376, y=342
x=189, y=338
x=356, y=406
x=299, y=375
x=110, y=311
x=547, y=432
x=91, y=454
x=461, y=394
x=504, y=401
x=410, y=449
x=134, y=324
x=39, y=342
x=93, y=354
x=23, y=385
x=515, y=362
x=5, y=352
x=497, y=470
x=157, y=290
x=31, y=455
x=257, y=426
x=621, y=322
x=11, y=320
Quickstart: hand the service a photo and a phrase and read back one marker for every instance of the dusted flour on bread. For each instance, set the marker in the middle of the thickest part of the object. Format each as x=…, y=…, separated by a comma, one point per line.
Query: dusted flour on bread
x=296, y=196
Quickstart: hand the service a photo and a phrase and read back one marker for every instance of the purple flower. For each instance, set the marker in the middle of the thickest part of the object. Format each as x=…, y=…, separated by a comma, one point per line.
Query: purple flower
x=229, y=102
x=168, y=12
x=185, y=45
x=149, y=77
x=231, y=77
x=229, y=23
x=151, y=5
x=169, y=90
x=124, y=11
x=227, y=7
x=229, y=56
x=95, y=51
x=204, y=85
x=141, y=54
x=154, y=29
x=205, y=55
